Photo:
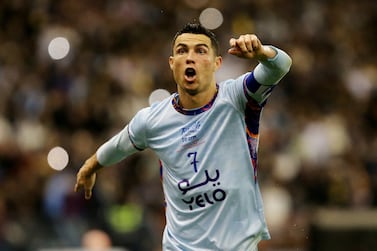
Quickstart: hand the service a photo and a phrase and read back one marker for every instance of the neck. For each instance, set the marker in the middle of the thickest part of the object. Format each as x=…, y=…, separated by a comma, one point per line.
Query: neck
x=197, y=100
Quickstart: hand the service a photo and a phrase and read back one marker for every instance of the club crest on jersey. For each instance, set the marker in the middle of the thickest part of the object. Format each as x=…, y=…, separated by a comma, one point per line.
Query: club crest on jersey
x=189, y=134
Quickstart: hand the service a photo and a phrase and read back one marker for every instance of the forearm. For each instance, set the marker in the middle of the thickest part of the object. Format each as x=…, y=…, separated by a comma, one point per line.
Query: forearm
x=116, y=149
x=273, y=67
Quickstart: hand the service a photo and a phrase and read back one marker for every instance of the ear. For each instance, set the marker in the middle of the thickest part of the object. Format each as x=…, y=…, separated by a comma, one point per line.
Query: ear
x=218, y=62
x=171, y=62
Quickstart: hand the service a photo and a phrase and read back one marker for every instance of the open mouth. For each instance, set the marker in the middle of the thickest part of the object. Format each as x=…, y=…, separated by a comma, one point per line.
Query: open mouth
x=190, y=74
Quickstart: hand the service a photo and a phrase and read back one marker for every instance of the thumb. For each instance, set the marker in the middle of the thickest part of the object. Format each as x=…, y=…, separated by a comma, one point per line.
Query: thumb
x=76, y=188
x=235, y=51
x=88, y=193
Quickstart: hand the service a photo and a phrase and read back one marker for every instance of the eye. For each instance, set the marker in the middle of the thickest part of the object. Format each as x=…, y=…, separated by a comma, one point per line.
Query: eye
x=180, y=50
x=202, y=50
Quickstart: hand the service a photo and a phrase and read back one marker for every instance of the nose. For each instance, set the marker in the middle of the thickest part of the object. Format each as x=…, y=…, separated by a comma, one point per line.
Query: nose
x=190, y=57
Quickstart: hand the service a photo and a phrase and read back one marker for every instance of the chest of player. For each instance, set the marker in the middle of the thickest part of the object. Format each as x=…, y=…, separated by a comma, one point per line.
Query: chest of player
x=178, y=134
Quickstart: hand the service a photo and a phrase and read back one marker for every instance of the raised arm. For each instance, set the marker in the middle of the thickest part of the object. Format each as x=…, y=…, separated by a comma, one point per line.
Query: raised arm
x=250, y=47
x=273, y=65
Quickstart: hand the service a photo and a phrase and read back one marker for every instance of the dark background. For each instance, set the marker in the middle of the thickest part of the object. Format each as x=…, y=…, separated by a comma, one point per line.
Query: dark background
x=318, y=146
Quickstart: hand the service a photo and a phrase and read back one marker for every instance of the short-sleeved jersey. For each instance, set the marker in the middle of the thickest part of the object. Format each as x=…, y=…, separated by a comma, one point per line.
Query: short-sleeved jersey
x=208, y=166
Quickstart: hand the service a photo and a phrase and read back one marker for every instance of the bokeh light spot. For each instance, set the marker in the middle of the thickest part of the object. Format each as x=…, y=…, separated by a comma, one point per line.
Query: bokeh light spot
x=211, y=18
x=278, y=206
x=58, y=48
x=58, y=158
x=158, y=95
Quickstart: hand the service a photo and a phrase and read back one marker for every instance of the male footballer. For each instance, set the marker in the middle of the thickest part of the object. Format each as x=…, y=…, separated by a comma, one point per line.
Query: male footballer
x=206, y=136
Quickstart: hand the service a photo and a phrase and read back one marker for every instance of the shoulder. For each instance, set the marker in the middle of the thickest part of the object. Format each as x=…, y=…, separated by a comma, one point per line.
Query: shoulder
x=233, y=89
x=142, y=124
x=154, y=110
x=234, y=83
x=161, y=106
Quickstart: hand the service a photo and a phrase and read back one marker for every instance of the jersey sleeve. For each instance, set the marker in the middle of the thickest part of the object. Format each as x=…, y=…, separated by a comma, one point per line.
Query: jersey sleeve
x=266, y=75
x=138, y=129
x=128, y=141
x=256, y=86
x=115, y=149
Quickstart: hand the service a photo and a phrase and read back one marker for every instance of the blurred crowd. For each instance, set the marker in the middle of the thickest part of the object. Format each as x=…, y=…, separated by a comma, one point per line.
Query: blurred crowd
x=318, y=145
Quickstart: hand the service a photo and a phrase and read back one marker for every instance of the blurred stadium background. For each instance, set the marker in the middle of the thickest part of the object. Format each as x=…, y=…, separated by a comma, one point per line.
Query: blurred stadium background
x=72, y=73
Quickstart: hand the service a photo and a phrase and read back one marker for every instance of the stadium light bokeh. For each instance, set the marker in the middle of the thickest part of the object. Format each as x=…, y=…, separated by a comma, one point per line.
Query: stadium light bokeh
x=58, y=158
x=58, y=48
x=211, y=18
x=158, y=95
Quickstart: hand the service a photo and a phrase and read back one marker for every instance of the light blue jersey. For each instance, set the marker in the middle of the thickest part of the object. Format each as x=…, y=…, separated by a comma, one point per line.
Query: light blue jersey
x=209, y=166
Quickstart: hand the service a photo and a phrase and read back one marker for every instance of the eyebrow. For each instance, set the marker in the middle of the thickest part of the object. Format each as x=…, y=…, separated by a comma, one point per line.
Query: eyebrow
x=185, y=45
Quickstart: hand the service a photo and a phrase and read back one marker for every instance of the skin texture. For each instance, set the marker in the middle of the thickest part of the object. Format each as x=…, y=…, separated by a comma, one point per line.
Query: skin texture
x=189, y=51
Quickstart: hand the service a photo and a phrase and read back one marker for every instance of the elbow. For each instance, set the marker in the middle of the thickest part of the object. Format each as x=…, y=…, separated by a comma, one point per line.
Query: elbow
x=288, y=64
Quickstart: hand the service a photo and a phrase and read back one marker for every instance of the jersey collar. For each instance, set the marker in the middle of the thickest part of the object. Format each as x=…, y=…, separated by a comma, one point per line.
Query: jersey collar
x=180, y=109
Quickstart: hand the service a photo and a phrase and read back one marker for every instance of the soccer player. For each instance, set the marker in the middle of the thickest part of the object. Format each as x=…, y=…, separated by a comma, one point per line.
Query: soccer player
x=206, y=136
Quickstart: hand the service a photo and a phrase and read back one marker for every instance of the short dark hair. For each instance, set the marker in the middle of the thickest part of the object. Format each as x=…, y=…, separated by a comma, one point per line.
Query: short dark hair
x=197, y=28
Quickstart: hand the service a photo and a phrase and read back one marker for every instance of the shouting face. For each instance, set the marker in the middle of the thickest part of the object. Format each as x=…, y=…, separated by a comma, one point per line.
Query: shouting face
x=194, y=64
